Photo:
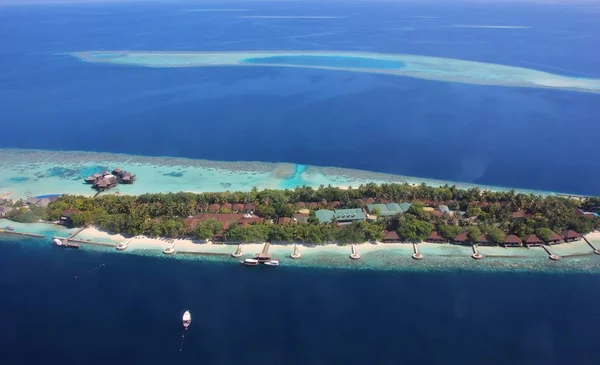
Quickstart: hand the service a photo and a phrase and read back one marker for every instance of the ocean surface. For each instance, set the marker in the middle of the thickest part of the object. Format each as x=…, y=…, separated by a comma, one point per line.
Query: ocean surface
x=129, y=312
x=516, y=137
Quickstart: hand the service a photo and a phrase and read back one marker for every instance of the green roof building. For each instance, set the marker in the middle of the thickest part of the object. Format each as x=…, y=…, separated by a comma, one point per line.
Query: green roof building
x=386, y=210
x=324, y=215
x=340, y=215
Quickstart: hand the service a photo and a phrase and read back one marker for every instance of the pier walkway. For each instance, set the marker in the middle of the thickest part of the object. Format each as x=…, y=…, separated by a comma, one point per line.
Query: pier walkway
x=417, y=255
x=596, y=251
x=21, y=233
x=551, y=255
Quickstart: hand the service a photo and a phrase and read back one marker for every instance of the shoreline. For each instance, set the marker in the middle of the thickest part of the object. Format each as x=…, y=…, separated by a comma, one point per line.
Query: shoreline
x=33, y=172
x=377, y=256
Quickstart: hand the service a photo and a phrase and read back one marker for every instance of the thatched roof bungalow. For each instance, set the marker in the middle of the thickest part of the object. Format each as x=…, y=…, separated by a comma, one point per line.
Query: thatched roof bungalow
x=533, y=240
x=435, y=237
x=391, y=237
x=512, y=241
x=570, y=235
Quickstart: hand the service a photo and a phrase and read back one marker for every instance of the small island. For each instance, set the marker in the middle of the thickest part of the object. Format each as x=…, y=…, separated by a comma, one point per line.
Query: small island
x=388, y=214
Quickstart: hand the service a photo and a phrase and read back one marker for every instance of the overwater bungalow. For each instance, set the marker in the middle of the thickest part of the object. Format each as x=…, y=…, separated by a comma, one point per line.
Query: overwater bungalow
x=570, y=235
x=512, y=241
x=461, y=238
x=105, y=182
x=391, y=237
x=124, y=177
x=533, y=240
x=555, y=239
x=92, y=178
x=435, y=237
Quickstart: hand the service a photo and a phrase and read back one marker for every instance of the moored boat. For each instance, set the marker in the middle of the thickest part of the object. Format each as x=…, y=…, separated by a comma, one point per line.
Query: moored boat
x=169, y=250
x=9, y=228
x=271, y=263
x=186, y=319
x=57, y=241
x=249, y=262
x=123, y=245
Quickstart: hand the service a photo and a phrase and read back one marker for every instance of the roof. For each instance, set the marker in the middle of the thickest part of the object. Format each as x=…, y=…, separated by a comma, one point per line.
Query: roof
x=301, y=218
x=69, y=212
x=349, y=214
x=283, y=220
x=227, y=205
x=334, y=204
x=483, y=238
x=237, y=206
x=313, y=205
x=533, y=238
x=249, y=206
x=555, y=237
x=214, y=207
x=368, y=200
x=300, y=205
x=444, y=209
x=570, y=234
x=391, y=235
x=225, y=219
x=404, y=206
x=461, y=237
x=521, y=214
x=324, y=215
x=435, y=236
x=511, y=238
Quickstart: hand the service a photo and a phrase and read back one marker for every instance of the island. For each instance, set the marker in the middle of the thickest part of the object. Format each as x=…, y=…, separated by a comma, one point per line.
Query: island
x=400, y=216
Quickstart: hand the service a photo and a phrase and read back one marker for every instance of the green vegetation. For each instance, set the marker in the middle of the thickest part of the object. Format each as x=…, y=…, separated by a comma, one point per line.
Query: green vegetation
x=473, y=211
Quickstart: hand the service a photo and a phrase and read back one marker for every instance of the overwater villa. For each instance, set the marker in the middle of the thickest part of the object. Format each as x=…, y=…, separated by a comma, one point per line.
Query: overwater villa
x=107, y=181
x=123, y=177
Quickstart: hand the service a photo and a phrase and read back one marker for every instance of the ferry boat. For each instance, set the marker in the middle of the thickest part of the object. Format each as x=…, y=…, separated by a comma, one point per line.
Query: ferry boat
x=271, y=263
x=186, y=319
x=249, y=262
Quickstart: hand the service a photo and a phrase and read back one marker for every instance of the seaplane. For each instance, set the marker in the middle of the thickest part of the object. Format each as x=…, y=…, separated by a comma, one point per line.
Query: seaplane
x=186, y=319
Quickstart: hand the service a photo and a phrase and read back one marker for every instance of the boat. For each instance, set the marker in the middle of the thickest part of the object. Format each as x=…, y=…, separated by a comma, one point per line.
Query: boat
x=169, y=250
x=249, y=262
x=271, y=263
x=186, y=319
x=57, y=241
x=123, y=245
x=9, y=228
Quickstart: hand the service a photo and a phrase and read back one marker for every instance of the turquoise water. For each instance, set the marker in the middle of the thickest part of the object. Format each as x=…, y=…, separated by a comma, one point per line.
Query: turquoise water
x=327, y=61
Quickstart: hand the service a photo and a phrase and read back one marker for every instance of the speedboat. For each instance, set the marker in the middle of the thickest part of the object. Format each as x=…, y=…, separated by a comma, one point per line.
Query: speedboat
x=123, y=245
x=249, y=262
x=9, y=228
x=271, y=263
x=169, y=250
x=57, y=241
x=187, y=319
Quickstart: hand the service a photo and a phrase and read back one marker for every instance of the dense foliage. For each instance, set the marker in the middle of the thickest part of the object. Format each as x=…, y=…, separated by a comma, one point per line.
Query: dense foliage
x=476, y=212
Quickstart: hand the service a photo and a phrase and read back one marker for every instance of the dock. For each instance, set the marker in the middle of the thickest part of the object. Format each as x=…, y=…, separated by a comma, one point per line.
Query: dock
x=596, y=251
x=416, y=255
x=551, y=255
x=476, y=255
x=77, y=242
x=264, y=255
x=354, y=255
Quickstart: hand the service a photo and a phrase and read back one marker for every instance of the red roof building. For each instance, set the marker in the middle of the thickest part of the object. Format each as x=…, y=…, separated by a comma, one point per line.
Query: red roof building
x=391, y=236
x=483, y=239
x=300, y=205
x=570, y=236
x=461, y=238
x=435, y=237
x=248, y=207
x=533, y=240
x=521, y=214
x=225, y=219
x=313, y=205
x=284, y=220
x=214, y=208
x=237, y=207
x=228, y=206
x=512, y=241
x=555, y=239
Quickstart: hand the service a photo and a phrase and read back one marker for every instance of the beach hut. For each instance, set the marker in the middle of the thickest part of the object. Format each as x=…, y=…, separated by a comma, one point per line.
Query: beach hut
x=237, y=207
x=214, y=208
x=555, y=239
x=434, y=237
x=248, y=207
x=570, y=235
x=533, y=240
x=512, y=241
x=226, y=206
x=484, y=240
x=391, y=237
x=461, y=238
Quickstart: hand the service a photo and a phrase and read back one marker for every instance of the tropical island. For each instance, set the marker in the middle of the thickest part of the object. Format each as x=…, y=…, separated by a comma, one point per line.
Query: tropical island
x=388, y=213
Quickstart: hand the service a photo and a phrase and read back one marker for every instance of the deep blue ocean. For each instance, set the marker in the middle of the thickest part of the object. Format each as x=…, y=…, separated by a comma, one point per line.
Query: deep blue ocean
x=129, y=312
x=517, y=137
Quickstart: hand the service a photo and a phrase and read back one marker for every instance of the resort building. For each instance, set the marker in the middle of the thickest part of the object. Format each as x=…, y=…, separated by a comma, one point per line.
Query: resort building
x=226, y=207
x=214, y=208
x=301, y=218
x=461, y=238
x=4, y=210
x=105, y=182
x=341, y=216
x=391, y=237
x=555, y=238
x=533, y=240
x=389, y=209
x=237, y=207
x=570, y=236
x=124, y=177
x=512, y=241
x=484, y=240
x=65, y=217
x=521, y=214
x=435, y=237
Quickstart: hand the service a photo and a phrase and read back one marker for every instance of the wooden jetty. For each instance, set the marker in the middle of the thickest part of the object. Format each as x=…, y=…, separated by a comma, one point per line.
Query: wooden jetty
x=78, y=242
x=476, y=255
x=264, y=255
x=65, y=243
x=416, y=255
x=551, y=255
x=238, y=252
x=596, y=251
x=354, y=255
x=296, y=254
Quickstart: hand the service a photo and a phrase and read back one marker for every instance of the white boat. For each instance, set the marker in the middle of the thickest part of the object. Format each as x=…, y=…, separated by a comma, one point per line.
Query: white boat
x=57, y=241
x=271, y=263
x=249, y=262
x=169, y=250
x=123, y=245
x=187, y=319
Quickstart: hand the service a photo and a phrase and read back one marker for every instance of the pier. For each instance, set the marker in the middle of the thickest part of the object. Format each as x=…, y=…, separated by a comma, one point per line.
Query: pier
x=238, y=252
x=476, y=255
x=596, y=251
x=551, y=255
x=416, y=255
x=354, y=255
x=77, y=242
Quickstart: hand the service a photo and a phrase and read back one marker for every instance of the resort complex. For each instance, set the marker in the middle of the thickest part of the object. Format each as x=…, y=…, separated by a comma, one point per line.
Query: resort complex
x=389, y=213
